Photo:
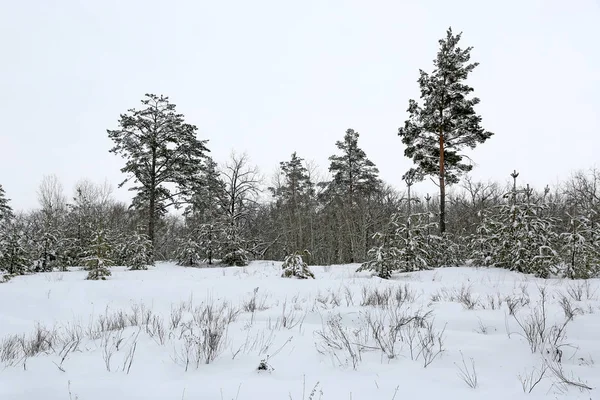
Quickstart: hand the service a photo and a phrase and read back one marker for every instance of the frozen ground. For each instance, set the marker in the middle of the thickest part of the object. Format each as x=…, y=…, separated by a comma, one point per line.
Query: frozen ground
x=345, y=335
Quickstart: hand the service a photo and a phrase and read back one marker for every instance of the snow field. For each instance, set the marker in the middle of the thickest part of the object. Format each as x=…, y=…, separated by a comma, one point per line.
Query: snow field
x=186, y=333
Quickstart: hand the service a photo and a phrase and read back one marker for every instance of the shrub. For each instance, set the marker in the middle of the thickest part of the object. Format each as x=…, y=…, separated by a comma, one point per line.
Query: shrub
x=294, y=266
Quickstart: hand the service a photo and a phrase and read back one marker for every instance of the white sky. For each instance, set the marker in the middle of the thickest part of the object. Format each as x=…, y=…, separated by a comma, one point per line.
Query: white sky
x=273, y=77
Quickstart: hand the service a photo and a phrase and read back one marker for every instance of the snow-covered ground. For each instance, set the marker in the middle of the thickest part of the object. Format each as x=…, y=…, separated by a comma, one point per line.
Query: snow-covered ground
x=344, y=335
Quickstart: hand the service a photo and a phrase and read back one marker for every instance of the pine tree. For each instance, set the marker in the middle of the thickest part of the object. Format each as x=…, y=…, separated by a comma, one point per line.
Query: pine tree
x=447, y=250
x=89, y=211
x=384, y=258
x=205, y=216
x=138, y=251
x=520, y=236
x=48, y=250
x=210, y=239
x=6, y=211
x=234, y=252
x=405, y=246
x=349, y=197
x=482, y=243
x=189, y=252
x=294, y=266
x=353, y=173
x=98, y=258
x=446, y=122
x=294, y=195
x=160, y=150
x=14, y=248
x=581, y=248
x=417, y=246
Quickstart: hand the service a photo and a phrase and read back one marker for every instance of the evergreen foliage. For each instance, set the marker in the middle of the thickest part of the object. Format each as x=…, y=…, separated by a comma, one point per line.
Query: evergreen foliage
x=350, y=199
x=6, y=212
x=383, y=258
x=160, y=148
x=581, y=248
x=294, y=266
x=204, y=219
x=189, y=252
x=354, y=175
x=15, y=251
x=137, y=251
x=237, y=258
x=98, y=259
x=519, y=236
x=294, y=195
x=233, y=248
x=445, y=123
x=210, y=239
x=406, y=246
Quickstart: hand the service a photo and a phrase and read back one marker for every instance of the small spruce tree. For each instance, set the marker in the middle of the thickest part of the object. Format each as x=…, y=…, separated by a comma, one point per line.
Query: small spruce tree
x=581, y=253
x=210, y=237
x=235, y=254
x=97, y=260
x=138, y=254
x=383, y=258
x=407, y=245
x=294, y=266
x=520, y=235
x=189, y=252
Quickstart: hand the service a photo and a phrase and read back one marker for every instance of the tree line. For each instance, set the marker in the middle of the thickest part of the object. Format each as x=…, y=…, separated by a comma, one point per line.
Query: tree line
x=346, y=216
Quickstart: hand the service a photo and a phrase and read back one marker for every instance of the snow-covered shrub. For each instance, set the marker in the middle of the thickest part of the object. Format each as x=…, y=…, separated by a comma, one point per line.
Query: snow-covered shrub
x=446, y=251
x=383, y=261
x=481, y=247
x=238, y=258
x=407, y=244
x=97, y=260
x=519, y=236
x=50, y=249
x=294, y=266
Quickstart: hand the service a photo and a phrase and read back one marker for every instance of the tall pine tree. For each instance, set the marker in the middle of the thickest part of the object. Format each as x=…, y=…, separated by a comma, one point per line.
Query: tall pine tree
x=294, y=195
x=348, y=198
x=445, y=123
x=160, y=149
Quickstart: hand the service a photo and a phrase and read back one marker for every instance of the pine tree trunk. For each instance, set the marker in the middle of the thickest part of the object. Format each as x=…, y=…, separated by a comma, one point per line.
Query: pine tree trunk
x=442, y=187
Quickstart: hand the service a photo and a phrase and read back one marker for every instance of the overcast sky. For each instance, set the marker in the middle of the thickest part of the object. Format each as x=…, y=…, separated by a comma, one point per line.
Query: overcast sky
x=273, y=77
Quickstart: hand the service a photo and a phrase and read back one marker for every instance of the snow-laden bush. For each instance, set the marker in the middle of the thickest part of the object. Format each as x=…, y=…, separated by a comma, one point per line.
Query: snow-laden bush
x=294, y=266
x=238, y=258
x=407, y=244
x=519, y=236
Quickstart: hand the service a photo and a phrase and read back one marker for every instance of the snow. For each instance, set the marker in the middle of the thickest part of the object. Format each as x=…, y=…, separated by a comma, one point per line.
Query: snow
x=284, y=331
